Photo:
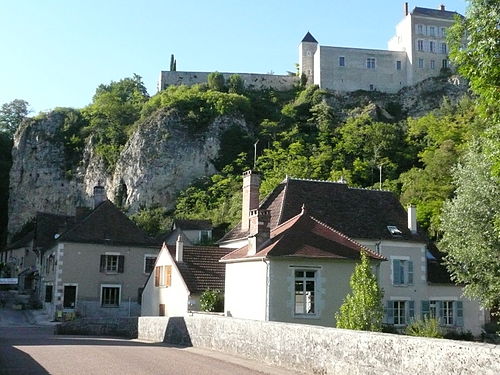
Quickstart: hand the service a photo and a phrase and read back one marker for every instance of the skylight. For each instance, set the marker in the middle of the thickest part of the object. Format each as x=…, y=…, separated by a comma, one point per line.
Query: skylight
x=394, y=231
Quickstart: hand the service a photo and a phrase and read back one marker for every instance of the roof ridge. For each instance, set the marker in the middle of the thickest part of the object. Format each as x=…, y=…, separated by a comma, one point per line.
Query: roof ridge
x=285, y=188
x=337, y=183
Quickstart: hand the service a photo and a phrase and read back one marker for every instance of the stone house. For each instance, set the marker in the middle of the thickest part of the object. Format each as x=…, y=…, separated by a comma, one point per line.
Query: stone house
x=97, y=266
x=180, y=275
x=414, y=282
x=298, y=272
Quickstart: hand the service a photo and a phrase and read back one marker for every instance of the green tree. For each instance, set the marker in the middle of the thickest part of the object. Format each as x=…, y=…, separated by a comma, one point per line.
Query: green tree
x=471, y=226
x=475, y=49
x=235, y=84
x=362, y=308
x=216, y=81
x=12, y=114
x=173, y=63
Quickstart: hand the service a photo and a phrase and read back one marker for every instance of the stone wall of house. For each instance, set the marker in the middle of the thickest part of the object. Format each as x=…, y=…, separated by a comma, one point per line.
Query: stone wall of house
x=251, y=80
x=321, y=350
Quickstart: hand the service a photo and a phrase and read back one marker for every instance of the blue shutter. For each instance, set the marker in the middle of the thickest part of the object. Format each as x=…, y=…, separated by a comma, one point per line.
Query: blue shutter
x=390, y=312
x=395, y=272
x=411, y=312
x=460, y=313
x=425, y=309
x=410, y=272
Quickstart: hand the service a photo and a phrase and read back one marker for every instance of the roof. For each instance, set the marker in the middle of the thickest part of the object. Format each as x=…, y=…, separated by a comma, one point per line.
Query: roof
x=306, y=237
x=309, y=38
x=436, y=13
x=186, y=224
x=107, y=223
x=358, y=213
x=45, y=227
x=201, y=268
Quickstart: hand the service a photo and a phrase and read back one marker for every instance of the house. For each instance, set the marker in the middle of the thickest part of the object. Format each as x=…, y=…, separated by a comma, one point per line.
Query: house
x=297, y=272
x=376, y=220
x=181, y=274
x=193, y=232
x=96, y=266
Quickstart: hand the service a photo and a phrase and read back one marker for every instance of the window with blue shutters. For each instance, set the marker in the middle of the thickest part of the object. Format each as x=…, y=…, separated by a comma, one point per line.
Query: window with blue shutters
x=448, y=313
x=400, y=312
x=402, y=272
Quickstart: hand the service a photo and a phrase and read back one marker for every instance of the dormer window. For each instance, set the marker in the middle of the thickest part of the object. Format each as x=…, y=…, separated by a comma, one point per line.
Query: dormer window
x=394, y=231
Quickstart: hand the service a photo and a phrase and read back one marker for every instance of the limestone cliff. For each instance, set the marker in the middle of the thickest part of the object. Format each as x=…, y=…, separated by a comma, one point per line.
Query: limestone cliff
x=162, y=157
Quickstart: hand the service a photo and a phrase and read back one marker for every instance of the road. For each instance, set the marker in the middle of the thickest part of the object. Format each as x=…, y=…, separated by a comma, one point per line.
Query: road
x=29, y=349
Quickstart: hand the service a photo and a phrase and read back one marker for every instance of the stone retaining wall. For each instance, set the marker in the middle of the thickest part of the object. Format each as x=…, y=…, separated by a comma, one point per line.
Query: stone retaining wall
x=322, y=350
x=121, y=327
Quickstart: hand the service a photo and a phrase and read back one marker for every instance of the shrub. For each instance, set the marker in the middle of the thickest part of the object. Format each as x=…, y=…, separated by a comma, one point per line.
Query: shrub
x=458, y=335
x=212, y=300
x=216, y=81
x=427, y=327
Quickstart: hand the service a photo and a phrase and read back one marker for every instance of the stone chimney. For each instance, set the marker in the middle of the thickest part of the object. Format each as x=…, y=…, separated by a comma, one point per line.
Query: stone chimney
x=412, y=219
x=99, y=194
x=442, y=7
x=405, y=9
x=179, y=249
x=251, y=183
x=259, y=231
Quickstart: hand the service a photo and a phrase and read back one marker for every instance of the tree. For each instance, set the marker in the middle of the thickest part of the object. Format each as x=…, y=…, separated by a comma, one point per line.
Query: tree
x=216, y=81
x=471, y=225
x=235, y=84
x=474, y=48
x=173, y=63
x=12, y=114
x=362, y=308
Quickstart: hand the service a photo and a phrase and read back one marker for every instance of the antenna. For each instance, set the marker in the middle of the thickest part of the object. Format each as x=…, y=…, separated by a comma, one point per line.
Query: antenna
x=255, y=154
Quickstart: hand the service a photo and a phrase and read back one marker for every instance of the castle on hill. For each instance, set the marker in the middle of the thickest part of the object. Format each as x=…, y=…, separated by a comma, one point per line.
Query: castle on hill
x=416, y=52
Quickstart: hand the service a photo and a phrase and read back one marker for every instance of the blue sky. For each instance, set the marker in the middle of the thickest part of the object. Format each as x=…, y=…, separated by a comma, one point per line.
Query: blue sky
x=55, y=53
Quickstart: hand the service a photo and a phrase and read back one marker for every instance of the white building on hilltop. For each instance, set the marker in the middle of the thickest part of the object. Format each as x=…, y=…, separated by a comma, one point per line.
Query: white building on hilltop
x=417, y=51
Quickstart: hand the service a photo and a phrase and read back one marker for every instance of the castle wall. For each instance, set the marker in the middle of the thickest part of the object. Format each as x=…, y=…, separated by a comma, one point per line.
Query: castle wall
x=355, y=74
x=251, y=80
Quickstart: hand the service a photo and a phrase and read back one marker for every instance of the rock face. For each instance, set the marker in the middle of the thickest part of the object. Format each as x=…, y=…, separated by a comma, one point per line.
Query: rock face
x=161, y=158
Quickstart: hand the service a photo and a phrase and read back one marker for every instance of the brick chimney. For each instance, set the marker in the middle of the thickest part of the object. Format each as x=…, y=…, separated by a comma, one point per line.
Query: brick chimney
x=259, y=231
x=412, y=219
x=179, y=249
x=99, y=194
x=251, y=183
x=405, y=9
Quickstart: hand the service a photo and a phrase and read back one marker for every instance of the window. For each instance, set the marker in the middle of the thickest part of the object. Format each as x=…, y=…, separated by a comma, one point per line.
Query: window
x=398, y=65
x=420, y=45
x=163, y=276
x=371, y=87
x=341, y=61
x=402, y=272
x=420, y=29
x=110, y=295
x=443, y=32
x=161, y=309
x=69, y=296
x=370, y=63
x=400, y=312
x=305, y=289
x=149, y=263
x=308, y=53
x=433, y=64
x=112, y=263
x=444, y=48
x=432, y=31
x=448, y=313
x=48, y=293
x=445, y=64
x=432, y=46
x=205, y=236
x=421, y=63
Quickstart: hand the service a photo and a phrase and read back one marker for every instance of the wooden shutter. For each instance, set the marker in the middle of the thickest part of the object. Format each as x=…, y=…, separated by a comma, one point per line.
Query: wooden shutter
x=460, y=313
x=396, y=275
x=168, y=275
x=121, y=263
x=426, y=309
x=390, y=312
x=102, y=265
x=410, y=272
x=157, y=275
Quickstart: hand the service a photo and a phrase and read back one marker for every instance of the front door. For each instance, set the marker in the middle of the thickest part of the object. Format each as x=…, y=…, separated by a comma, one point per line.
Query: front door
x=69, y=296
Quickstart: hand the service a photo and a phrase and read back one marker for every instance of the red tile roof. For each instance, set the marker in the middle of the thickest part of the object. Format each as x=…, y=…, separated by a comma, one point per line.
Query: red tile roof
x=307, y=237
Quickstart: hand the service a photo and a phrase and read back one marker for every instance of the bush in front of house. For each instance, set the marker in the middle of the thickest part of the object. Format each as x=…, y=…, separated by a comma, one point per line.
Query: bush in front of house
x=426, y=327
x=212, y=300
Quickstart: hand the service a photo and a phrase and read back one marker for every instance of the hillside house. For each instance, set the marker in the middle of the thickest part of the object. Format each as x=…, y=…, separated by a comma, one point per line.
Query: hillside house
x=193, y=232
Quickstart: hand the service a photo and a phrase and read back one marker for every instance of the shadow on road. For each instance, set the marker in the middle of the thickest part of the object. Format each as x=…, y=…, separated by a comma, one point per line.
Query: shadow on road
x=14, y=361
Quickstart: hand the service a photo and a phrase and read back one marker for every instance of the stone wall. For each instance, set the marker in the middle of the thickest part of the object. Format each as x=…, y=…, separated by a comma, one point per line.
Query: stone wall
x=121, y=327
x=321, y=350
x=251, y=80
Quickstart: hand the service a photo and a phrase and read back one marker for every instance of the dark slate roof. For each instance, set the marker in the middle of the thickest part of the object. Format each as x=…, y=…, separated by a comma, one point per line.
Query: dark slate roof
x=358, y=213
x=186, y=224
x=436, y=13
x=309, y=38
x=436, y=270
x=46, y=226
x=201, y=268
x=306, y=237
x=106, y=223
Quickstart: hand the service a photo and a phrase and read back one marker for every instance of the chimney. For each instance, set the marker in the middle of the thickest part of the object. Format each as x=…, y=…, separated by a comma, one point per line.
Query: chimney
x=179, y=249
x=405, y=9
x=99, y=194
x=259, y=231
x=251, y=182
x=412, y=219
x=442, y=7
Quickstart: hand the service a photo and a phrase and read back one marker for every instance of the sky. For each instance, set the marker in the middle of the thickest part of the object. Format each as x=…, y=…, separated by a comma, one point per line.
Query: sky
x=56, y=52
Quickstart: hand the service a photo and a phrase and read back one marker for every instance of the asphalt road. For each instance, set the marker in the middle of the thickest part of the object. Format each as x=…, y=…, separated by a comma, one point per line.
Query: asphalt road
x=29, y=349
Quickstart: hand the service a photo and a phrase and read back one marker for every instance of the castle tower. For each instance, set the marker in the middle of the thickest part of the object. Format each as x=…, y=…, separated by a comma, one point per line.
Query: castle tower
x=307, y=48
